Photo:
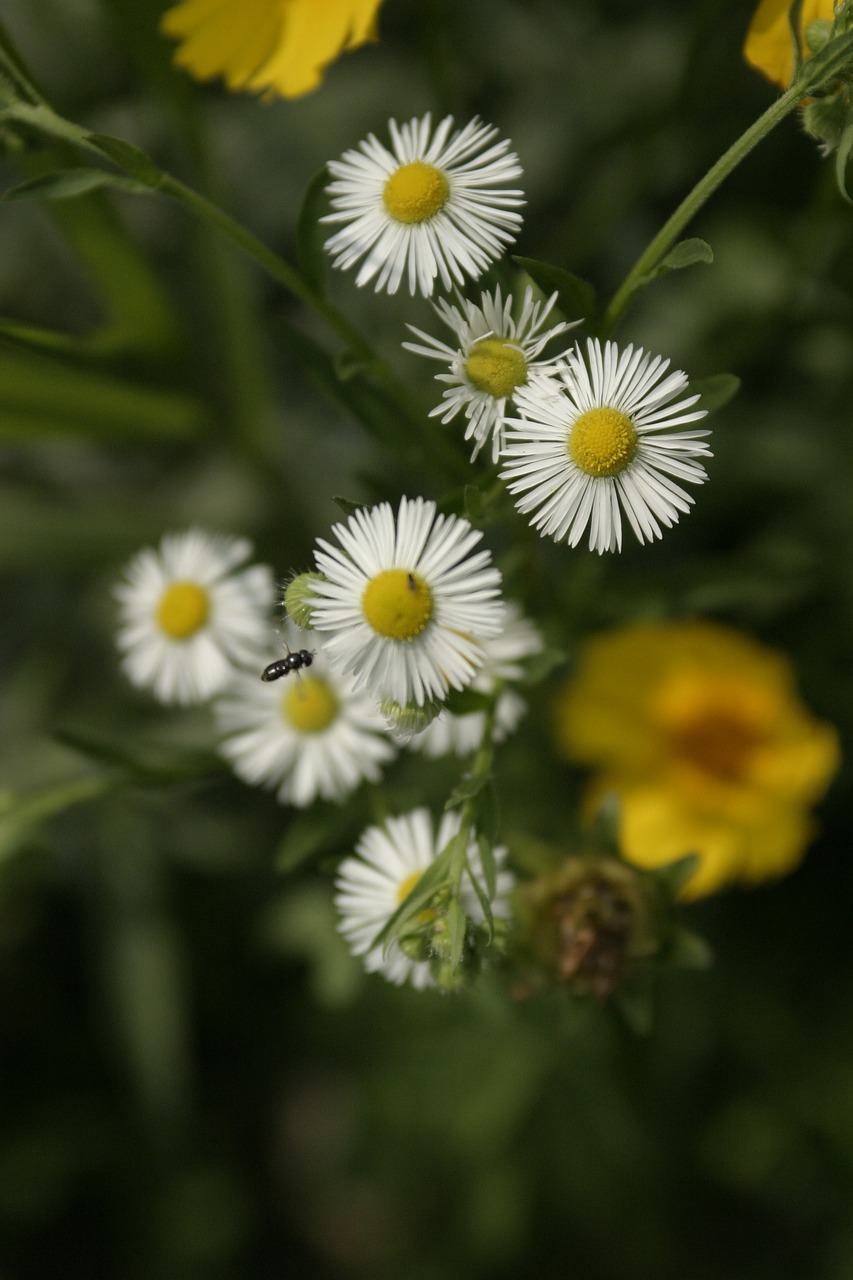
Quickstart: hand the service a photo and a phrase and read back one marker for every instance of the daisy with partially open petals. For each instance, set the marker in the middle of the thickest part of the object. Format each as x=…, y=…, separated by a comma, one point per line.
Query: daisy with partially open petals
x=310, y=735
x=267, y=46
x=503, y=661
x=405, y=604
x=388, y=863
x=435, y=206
x=493, y=357
x=190, y=615
x=603, y=444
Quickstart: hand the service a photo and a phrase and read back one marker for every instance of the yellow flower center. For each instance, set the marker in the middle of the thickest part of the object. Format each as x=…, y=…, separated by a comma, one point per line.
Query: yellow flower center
x=496, y=367
x=408, y=885
x=602, y=442
x=397, y=604
x=183, y=610
x=415, y=192
x=310, y=706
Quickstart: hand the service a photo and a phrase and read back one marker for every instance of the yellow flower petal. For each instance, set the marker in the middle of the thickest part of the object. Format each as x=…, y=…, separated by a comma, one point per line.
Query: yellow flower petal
x=768, y=45
x=271, y=46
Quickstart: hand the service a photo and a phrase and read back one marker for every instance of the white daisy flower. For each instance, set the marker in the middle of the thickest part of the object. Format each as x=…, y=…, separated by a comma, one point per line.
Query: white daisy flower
x=310, y=735
x=189, y=616
x=403, y=604
x=435, y=205
x=459, y=735
x=602, y=444
x=388, y=863
x=494, y=356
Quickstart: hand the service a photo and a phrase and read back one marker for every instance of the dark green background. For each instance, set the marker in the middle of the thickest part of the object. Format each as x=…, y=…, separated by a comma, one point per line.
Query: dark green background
x=197, y=1081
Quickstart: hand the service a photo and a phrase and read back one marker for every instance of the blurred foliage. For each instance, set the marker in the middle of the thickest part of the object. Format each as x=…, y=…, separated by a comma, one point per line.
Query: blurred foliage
x=198, y=1079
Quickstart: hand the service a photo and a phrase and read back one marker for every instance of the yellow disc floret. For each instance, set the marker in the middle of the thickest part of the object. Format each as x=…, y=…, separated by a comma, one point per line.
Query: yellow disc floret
x=310, y=706
x=602, y=442
x=183, y=610
x=496, y=367
x=397, y=604
x=415, y=192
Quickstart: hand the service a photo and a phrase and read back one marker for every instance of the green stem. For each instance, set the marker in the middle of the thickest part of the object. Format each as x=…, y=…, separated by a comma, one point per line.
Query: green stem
x=481, y=768
x=692, y=203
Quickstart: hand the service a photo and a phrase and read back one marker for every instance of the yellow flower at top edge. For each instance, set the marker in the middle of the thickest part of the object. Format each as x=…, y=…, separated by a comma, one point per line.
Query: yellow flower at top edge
x=268, y=46
x=699, y=731
x=768, y=45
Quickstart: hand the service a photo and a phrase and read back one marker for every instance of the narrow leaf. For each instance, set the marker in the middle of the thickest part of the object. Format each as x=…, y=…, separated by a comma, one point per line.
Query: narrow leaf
x=422, y=893
x=310, y=233
x=348, y=507
x=575, y=297
x=716, y=390
x=490, y=870
x=67, y=184
x=128, y=157
x=685, y=254
x=466, y=788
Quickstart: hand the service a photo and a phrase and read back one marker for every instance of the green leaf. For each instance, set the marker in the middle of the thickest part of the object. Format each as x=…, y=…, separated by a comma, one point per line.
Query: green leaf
x=687, y=950
x=21, y=815
x=467, y=787
x=716, y=390
x=68, y=184
x=490, y=870
x=674, y=875
x=462, y=702
x=575, y=297
x=149, y=763
x=685, y=254
x=487, y=814
x=128, y=157
x=540, y=665
x=348, y=507
x=318, y=830
x=311, y=257
x=842, y=156
x=433, y=879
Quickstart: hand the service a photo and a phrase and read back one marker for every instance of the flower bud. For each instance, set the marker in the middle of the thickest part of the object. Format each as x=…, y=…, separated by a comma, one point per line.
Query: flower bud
x=405, y=721
x=298, y=598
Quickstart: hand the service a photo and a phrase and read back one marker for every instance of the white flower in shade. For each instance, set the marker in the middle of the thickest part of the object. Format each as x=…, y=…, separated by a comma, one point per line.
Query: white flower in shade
x=388, y=863
x=436, y=205
x=604, y=444
x=405, y=604
x=494, y=356
x=309, y=734
x=459, y=735
x=190, y=615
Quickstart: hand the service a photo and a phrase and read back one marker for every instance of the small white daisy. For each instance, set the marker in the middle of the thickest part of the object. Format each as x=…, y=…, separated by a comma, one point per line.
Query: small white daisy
x=403, y=604
x=495, y=355
x=433, y=206
x=604, y=443
x=459, y=735
x=310, y=734
x=190, y=616
x=388, y=863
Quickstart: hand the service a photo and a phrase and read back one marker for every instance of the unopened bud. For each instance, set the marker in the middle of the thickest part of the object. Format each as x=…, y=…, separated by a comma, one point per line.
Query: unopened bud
x=299, y=598
x=405, y=721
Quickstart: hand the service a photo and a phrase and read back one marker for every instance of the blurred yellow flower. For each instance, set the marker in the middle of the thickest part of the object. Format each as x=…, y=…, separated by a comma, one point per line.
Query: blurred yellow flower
x=268, y=46
x=768, y=45
x=699, y=731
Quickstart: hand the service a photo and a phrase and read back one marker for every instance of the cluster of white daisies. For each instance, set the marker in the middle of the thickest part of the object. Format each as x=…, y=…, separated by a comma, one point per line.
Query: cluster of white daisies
x=403, y=608
x=594, y=437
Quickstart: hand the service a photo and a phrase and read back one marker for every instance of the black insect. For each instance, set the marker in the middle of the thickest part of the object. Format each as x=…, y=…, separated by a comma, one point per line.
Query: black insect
x=294, y=661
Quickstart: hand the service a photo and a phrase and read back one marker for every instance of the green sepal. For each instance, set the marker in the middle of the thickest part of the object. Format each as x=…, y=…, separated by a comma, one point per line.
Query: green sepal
x=672, y=877
x=68, y=184
x=575, y=297
x=311, y=257
x=716, y=390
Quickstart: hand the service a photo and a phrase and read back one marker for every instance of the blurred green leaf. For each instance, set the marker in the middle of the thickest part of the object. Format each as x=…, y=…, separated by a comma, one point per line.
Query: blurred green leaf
x=431, y=880
x=130, y=158
x=575, y=297
x=149, y=763
x=323, y=828
x=21, y=815
x=457, y=924
x=487, y=858
x=346, y=505
x=311, y=257
x=470, y=785
x=67, y=184
x=687, y=950
x=685, y=254
x=715, y=391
